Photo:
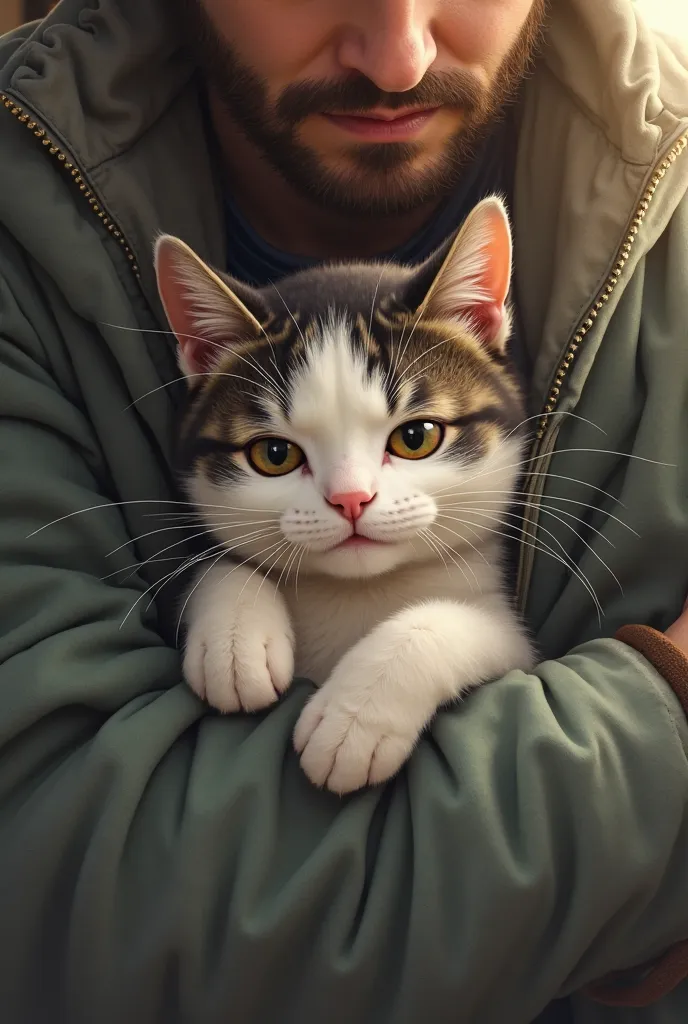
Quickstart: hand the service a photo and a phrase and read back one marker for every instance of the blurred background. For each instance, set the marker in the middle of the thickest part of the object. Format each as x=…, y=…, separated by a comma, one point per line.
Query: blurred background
x=14, y=12
x=668, y=15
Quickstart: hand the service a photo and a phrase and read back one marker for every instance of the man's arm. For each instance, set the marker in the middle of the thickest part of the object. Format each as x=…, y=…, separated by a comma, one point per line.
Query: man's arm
x=160, y=863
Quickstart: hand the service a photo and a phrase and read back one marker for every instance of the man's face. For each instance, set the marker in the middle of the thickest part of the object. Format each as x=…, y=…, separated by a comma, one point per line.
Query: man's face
x=367, y=106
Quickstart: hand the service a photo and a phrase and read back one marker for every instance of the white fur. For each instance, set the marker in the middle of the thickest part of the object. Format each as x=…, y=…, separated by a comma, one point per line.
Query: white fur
x=391, y=631
x=240, y=650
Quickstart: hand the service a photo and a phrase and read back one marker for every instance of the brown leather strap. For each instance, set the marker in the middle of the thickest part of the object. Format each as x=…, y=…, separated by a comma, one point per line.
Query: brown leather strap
x=666, y=657
x=645, y=985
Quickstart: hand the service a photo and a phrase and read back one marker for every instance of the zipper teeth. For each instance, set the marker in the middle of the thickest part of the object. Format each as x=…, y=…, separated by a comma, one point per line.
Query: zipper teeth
x=32, y=124
x=609, y=285
x=530, y=523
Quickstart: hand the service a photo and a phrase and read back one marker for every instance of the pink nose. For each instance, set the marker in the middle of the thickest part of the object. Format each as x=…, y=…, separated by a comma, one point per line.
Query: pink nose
x=351, y=503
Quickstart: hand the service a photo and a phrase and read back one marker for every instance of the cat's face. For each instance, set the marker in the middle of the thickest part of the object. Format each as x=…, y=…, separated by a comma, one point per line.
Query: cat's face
x=333, y=425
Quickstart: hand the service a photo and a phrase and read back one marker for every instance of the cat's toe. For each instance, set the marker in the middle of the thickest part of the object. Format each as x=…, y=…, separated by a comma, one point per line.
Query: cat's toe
x=391, y=753
x=308, y=720
x=237, y=674
x=263, y=672
x=336, y=749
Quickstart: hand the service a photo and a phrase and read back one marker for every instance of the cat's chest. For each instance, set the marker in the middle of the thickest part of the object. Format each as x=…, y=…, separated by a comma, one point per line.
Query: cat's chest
x=331, y=615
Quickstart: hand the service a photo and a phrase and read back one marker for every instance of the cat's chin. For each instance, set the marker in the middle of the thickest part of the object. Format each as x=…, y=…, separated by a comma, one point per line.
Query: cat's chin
x=360, y=561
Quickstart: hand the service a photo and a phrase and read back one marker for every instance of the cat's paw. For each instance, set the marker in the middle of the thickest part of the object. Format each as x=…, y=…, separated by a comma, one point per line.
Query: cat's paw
x=239, y=653
x=362, y=725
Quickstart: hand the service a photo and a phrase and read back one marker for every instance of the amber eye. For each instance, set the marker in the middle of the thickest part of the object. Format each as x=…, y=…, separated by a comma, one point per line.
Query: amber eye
x=415, y=440
x=273, y=456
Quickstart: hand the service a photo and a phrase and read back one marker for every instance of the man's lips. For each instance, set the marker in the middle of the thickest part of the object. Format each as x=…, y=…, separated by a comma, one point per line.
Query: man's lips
x=390, y=126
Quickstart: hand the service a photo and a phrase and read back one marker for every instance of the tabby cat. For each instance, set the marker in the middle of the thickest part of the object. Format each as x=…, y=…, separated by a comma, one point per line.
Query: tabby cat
x=352, y=440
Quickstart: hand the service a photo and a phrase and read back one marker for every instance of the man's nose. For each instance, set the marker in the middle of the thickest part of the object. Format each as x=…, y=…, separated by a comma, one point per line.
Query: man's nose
x=391, y=44
x=350, y=504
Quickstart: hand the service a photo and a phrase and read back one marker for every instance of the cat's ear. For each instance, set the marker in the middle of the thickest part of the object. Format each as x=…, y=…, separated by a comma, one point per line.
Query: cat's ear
x=472, y=282
x=206, y=315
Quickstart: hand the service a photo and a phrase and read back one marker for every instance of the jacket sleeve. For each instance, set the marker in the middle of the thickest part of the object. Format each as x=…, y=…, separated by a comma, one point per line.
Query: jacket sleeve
x=159, y=863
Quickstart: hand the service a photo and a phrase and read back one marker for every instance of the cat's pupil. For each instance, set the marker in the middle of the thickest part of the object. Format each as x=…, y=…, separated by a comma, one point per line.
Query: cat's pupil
x=413, y=435
x=277, y=451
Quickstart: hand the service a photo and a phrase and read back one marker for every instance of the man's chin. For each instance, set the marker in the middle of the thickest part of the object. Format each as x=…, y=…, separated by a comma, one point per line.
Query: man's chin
x=376, y=192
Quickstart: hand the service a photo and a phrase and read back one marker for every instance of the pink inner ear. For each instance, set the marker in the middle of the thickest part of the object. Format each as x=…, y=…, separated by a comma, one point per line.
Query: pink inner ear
x=488, y=319
x=498, y=267
x=198, y=355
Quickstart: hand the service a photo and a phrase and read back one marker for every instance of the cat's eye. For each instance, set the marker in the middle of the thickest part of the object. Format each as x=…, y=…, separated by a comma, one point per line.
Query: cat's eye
x=415, y=440
x=273, y=456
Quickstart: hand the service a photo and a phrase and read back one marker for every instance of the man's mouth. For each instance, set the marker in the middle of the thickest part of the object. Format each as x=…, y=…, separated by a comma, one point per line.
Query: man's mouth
x=384, y=125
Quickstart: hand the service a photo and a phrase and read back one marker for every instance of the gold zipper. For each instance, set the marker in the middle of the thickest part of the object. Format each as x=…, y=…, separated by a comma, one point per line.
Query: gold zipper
x=610, y=284
x=77, y=177
x=543, y=444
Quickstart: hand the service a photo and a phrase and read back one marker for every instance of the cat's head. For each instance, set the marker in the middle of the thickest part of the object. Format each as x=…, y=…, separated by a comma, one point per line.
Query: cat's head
x=339, y=418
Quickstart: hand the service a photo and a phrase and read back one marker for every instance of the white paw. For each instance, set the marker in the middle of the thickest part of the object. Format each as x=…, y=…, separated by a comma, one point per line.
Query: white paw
x=362, y=725
x=239, y=652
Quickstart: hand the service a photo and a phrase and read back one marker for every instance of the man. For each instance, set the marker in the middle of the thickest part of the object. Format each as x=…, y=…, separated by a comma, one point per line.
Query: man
x=160, y=863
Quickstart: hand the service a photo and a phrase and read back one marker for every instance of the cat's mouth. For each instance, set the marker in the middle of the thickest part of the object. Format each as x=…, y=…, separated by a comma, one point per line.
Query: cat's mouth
x=356, y=540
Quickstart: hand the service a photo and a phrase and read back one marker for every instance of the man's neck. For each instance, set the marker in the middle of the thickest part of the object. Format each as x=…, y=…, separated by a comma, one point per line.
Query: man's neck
x=289, y=221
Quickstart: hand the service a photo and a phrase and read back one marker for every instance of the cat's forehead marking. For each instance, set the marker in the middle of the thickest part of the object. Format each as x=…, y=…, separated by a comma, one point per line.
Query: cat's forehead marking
x=336, y=387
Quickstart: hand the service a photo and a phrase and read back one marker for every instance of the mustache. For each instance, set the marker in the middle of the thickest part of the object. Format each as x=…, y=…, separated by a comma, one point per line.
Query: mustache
x=356, y=95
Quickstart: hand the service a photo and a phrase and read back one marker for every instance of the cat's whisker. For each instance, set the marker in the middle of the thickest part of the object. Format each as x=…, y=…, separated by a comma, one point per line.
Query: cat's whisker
x=198, y=582
x=408, y=381
x=546, y=415
x=285, y=568
x=463, y=539
x=377, y=289
x=424, y=353
x=187, y=564
x=511, y=497
x=469, y=506
x=300, y=550
x=518, y=518
x=425, y=536
x=140, y=501
x=277, y=555
x=536, y=418
x=411, y=333
x=203, y=533
x=278, y=389
x=133, y=569
x=188, y=376
x=544, y=548
x=190, y=563
x=442, y=491
x=168, y=529
x=230, y=509
x=169, y=547
x=438, y=545
x=298, y=567
x=457, y=554
x=293, y=318
x=490, y=513
x=453, y=553
x=569, y=451
x=280, y=549
x=196, y=585
x=208, y=342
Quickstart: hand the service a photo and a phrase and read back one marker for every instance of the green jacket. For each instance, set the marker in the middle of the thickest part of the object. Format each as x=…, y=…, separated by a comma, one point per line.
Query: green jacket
x=161, y=864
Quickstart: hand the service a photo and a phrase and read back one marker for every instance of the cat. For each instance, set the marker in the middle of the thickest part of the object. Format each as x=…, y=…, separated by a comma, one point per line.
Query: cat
x=352, y=441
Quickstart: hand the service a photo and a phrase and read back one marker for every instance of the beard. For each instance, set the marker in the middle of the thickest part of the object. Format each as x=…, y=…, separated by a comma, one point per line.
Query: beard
x=374, y=179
